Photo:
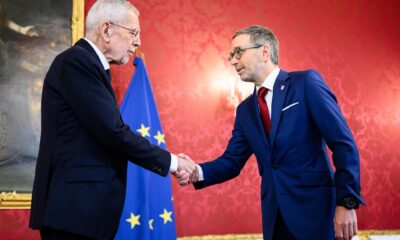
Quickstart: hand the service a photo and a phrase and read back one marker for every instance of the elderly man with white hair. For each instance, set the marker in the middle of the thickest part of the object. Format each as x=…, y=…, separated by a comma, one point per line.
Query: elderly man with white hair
x=80, y=179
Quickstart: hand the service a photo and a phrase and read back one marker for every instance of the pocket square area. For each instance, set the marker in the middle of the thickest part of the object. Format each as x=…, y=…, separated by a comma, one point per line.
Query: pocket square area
x=289, y=106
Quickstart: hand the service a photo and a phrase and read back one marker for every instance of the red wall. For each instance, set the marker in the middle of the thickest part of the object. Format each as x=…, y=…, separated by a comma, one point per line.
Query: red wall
x=354, y=44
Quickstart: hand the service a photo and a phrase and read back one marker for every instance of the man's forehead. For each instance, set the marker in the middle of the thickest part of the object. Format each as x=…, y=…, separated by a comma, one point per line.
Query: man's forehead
x=132, y=20
x=240, y=41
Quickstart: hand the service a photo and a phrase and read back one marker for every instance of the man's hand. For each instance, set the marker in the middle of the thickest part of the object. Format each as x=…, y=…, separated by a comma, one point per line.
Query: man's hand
x=193, y=172
x=345, y=222
x=185, y=167
x=183, y=177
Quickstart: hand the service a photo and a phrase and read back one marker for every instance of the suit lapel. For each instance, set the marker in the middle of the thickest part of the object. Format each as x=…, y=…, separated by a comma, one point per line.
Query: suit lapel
x=278, y=98
x=255, y=113
x=106, y=79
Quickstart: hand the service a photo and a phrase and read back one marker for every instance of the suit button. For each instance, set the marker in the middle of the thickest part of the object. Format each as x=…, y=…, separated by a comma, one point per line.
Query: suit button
x=275, y=165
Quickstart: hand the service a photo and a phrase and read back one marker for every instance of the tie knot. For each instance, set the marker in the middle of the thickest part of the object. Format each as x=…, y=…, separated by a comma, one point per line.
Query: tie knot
x=262, y=92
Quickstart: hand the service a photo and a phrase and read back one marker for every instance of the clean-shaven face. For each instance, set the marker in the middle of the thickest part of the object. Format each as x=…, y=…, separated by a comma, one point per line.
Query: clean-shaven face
x=248, y=65
x=123, y=42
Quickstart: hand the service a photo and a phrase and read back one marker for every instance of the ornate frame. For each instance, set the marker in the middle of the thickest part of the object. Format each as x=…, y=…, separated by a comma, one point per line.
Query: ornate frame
x=14, y=200
x=363, y=235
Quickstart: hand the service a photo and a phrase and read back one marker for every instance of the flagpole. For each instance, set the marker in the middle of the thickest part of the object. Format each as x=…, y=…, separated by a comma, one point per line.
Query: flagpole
x=140, y=54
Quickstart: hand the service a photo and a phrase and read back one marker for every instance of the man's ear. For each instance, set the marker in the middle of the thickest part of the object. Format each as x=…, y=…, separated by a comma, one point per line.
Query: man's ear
x=105, y=31
x=266, y=53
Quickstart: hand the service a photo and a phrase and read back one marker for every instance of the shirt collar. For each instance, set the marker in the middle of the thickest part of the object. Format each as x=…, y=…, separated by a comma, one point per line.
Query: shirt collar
x=270, y=80
x=103, y=59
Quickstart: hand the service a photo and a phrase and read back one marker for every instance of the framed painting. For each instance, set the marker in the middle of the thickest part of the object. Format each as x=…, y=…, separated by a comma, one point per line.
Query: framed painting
x=32, y=33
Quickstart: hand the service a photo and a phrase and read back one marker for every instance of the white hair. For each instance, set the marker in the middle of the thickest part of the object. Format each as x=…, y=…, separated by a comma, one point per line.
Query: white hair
x=108, y=10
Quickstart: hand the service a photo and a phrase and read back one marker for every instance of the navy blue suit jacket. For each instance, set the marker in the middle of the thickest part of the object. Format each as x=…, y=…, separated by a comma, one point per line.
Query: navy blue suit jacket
x=293, y=162
x=80, y=178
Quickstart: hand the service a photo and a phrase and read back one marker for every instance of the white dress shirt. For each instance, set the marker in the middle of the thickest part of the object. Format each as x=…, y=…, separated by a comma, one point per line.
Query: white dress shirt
x=174, y=160
x=269, y=84
x=103, y=59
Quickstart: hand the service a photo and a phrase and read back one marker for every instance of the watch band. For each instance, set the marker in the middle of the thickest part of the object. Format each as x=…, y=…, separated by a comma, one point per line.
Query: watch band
x=349, y=202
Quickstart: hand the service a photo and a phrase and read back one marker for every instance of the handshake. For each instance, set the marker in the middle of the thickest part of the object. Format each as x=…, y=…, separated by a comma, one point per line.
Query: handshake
x=188, y=171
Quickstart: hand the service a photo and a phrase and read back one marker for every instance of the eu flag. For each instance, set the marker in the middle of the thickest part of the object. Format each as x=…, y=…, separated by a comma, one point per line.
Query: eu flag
x=148, y=212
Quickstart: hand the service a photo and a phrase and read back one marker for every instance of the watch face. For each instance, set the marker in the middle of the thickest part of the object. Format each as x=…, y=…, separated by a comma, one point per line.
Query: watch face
x=350, y=202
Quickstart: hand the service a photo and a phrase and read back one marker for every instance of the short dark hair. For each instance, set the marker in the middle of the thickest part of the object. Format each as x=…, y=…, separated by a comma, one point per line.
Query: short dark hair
x=261, y=35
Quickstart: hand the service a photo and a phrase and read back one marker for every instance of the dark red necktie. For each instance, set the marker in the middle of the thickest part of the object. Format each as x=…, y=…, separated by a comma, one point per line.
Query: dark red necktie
x=262, y=92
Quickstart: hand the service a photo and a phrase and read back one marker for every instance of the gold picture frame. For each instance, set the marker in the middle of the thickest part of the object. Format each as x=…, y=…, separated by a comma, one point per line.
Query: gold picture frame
x=362, y=235
x=15, y=200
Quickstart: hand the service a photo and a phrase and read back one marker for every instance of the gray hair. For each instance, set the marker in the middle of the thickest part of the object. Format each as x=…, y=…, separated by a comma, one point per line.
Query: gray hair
x=108, y=10
x=260, y=35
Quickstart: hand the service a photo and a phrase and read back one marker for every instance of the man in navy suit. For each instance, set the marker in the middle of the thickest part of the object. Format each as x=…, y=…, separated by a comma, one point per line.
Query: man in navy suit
x=80, y=179
x=287, y=123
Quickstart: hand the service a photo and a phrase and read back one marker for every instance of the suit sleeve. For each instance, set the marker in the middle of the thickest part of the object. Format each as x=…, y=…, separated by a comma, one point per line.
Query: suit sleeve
x=332, y=125
x=96, y=110
x=230, y=163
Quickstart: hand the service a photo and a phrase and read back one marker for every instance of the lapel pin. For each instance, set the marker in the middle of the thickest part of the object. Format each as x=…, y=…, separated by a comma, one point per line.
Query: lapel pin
x=282, y=87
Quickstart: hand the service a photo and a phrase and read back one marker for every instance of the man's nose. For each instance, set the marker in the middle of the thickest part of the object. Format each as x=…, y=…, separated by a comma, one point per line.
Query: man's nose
x=136, y=42
x=233, y=61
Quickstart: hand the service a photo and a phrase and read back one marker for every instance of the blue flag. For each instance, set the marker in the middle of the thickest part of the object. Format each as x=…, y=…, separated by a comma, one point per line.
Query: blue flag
x=148, y=212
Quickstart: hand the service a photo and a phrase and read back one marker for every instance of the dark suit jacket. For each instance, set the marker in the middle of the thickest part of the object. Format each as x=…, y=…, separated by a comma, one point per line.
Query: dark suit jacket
x=80, y=176
x=293, y=162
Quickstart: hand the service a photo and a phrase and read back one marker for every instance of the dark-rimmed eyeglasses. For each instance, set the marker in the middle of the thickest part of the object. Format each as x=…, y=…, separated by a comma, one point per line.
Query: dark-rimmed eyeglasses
x=133, y=31
x=238, y=52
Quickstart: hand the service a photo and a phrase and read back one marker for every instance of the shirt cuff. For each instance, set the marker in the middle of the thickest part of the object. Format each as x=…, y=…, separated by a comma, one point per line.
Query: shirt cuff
x=174, y=163
x=201, y=176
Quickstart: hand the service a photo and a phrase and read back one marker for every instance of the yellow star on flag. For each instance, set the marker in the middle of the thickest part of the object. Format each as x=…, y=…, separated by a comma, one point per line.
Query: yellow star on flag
x=151, y=224
x=144, y=130
x=134, y=220
x=166, y=216
x=159, y=137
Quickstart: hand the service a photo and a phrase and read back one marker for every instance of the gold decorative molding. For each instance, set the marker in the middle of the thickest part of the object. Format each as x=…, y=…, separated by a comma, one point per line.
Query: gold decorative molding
x=363, y=235
x=77, y=21
x=224, y=237
x=14, y=200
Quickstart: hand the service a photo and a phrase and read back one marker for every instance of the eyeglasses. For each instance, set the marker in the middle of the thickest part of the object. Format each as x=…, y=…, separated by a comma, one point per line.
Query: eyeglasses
x=134, y=32
x=238, y=52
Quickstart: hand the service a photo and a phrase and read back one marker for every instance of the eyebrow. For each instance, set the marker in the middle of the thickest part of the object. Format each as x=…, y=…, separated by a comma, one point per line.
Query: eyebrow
x=236, y=49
